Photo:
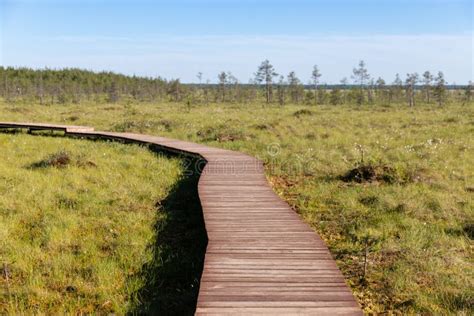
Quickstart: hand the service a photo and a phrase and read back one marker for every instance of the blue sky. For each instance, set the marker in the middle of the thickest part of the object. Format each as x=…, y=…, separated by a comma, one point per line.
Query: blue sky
x=177, y=39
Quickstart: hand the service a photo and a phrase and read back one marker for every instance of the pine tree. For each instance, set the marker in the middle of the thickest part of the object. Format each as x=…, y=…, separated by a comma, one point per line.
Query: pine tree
x=360, y=76
x=315, y=75
x=427, y=80
x=380, y=83
x=294, y=85
x=281, y=91
x=468, y=92
x=410, y=83
x=266, y=73
x=440, y=89
x=222, y=77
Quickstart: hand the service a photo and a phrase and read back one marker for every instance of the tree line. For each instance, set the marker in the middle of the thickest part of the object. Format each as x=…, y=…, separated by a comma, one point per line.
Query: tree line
x=50, y=86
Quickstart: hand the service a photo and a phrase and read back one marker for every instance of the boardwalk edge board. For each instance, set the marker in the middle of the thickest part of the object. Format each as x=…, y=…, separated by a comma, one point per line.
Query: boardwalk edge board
x=261, y=257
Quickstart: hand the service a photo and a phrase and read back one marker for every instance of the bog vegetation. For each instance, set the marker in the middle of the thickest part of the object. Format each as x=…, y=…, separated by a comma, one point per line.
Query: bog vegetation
x=383, y=172
x=76, y=222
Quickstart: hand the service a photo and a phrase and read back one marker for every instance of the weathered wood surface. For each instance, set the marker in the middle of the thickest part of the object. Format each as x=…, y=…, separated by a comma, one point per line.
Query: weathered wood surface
x=40, y=126
x=261, y=258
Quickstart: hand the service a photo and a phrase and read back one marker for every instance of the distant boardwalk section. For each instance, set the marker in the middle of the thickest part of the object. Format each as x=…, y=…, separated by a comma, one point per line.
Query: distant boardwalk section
x=261, y=258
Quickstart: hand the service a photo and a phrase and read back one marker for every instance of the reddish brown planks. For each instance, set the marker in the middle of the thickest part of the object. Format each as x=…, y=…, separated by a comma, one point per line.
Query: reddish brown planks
x=261, y=258
x=39, y=126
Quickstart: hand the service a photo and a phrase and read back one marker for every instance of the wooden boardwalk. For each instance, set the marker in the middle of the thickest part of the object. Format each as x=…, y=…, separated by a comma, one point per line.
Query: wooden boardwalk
x=261, y=258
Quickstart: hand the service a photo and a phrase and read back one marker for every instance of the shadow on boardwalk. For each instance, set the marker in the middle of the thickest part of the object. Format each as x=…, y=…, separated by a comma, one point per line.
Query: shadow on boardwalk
x=172, y=277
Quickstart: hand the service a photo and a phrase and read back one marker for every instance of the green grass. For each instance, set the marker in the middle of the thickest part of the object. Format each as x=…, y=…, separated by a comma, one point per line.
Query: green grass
x=77, y=219
x=411, y=225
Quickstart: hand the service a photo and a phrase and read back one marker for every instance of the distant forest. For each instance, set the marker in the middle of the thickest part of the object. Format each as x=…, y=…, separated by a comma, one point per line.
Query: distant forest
x=50, y=86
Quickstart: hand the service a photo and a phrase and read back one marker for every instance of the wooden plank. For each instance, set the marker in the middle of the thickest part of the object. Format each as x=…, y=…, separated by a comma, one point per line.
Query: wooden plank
x=268, y=310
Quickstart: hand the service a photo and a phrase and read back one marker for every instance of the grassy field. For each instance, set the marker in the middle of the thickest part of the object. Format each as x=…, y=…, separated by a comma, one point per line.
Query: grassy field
x=390, y=189
x=76, y=222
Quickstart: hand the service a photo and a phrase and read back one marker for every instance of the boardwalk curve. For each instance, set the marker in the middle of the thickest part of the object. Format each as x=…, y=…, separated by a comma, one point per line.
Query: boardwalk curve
x=261, y=258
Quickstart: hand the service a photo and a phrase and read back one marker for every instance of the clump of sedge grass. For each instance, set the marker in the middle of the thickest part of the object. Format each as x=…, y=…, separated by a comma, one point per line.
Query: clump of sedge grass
x=303, y=112
x=62, y=159
x=370, y=173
